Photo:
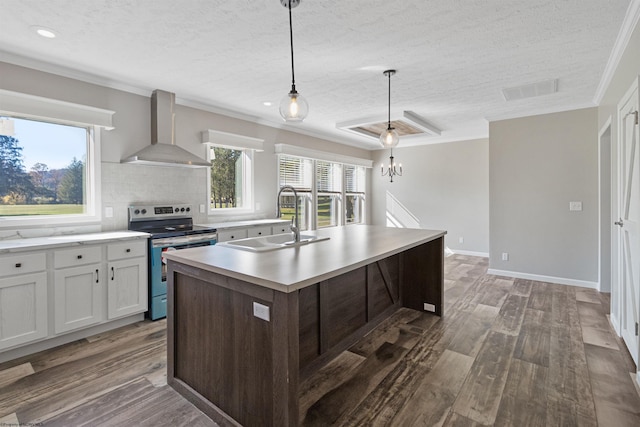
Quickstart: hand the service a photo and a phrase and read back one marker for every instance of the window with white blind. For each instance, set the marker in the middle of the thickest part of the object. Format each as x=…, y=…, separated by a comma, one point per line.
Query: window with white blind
x=296, y=172
x=354, y=184
x=329, y=193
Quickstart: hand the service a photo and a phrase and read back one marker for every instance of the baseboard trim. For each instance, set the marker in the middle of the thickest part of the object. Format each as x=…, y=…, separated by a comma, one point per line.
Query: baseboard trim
x=541, y=278
x=56, y=341
x=470, y=253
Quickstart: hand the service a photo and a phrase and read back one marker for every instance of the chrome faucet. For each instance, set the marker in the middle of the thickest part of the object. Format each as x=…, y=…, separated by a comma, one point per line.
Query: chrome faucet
x=294, y=220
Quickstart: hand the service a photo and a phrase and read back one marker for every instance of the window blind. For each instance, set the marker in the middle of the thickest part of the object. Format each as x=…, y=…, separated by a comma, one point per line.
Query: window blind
x=354, y=179
x=296, y=172
x=328, y=177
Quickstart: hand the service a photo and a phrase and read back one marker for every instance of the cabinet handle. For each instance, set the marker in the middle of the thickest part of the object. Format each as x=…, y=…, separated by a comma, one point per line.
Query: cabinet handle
x=233, y=237
x=79, y=256
x=97, y=276
x=259, y=233
x=18, y=264
x=128, y=250
x=113, y=274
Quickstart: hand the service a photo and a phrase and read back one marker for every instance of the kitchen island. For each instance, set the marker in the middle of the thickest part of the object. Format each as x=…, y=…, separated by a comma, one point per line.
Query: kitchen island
x=244, y=328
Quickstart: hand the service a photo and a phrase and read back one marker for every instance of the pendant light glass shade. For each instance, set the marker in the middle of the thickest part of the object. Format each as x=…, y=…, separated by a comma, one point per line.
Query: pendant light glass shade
x=389, y=138
x=293, y=107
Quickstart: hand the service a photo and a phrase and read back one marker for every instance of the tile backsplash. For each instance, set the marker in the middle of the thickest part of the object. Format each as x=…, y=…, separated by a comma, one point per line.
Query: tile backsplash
x=128, y=184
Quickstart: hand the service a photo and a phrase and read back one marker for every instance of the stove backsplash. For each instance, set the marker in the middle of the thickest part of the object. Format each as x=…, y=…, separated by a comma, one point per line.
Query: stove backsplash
x=127, y=184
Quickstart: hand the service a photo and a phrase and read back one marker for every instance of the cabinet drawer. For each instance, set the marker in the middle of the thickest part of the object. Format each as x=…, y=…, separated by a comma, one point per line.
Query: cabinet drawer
x=77, y=256
x=280, y=229
x=258, y=231
x=226, y=235
x=131, y=249
x=22, y=264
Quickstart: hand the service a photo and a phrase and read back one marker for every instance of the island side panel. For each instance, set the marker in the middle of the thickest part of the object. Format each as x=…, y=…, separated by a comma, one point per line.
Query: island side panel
x=422, y=276
x=232, y=365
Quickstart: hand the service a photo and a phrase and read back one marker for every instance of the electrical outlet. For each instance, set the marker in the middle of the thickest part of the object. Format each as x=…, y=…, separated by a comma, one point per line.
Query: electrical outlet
x=108, y=212
x=505, y=256
x=429, y=307
x=202, y=208
x=575, y=206
x=460, y=239
x=261, y=311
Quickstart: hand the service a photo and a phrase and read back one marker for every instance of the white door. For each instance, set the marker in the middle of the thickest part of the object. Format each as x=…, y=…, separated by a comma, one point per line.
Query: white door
x=629, y=220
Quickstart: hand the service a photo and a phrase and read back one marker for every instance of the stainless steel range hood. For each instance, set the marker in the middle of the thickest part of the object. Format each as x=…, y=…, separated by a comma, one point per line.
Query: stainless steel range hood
x=163, y=151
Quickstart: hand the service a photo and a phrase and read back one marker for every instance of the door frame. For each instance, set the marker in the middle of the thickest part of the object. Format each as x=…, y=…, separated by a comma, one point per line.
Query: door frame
x=606, y=206
x=617, y=254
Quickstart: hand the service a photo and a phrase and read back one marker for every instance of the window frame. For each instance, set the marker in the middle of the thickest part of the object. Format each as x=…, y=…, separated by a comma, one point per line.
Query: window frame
x=311, y=197
x=248, y=187
x=93, y=208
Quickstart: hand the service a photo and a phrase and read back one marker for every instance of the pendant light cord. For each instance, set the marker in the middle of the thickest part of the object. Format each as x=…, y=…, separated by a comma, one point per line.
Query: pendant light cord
x=389, y=104
x=293, y=76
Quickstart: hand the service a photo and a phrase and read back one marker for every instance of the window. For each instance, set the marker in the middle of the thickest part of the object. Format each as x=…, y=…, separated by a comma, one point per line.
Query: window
x=46, y=169
x=329, y=193
x=296, y=172
x=230, y=179
x=354, y=177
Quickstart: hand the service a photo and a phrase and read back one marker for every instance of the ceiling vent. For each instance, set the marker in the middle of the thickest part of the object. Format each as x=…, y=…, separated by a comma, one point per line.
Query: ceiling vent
x=408, y=125
x=545, y=87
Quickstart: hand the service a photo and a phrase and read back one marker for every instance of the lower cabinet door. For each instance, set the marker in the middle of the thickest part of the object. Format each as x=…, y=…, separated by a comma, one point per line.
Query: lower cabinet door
x=23, y=309
x=127, y=287
x=78, y=297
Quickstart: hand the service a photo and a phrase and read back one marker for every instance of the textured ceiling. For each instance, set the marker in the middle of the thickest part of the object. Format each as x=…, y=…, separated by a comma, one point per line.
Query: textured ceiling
x=453, y=57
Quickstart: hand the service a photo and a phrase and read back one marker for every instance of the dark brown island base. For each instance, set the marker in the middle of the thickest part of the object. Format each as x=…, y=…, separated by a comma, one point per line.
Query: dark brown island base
x=245, y=328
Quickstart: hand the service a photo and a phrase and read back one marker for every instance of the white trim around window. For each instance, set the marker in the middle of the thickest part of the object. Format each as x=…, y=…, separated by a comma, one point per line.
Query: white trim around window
x=295, y=151
x=53, y=110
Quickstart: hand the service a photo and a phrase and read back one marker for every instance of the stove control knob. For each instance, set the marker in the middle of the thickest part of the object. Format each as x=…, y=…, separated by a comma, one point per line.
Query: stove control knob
x=181, y=209
x=188, y=209
x=136, y=212
x=144, y=211
x=176, y=210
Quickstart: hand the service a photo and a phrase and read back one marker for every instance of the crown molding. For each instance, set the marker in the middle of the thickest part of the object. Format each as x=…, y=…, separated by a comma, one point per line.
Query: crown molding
x=624, y=35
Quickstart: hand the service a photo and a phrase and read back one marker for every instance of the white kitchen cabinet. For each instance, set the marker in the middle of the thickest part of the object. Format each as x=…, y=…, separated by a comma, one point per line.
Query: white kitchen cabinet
x=78, y=290
x=23, y=299
x=258, y=231
x=127, y=279
x=232, y=234
x=280, y=229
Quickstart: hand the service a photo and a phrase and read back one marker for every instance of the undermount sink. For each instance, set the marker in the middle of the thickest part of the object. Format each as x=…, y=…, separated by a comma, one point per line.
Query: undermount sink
x=270, y=243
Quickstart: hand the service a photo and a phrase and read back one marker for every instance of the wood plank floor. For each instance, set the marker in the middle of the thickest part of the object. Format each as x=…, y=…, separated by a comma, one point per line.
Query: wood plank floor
x=508, y=352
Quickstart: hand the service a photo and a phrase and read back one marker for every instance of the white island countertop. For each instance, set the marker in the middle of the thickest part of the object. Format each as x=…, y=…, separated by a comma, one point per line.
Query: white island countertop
x=291, y=268
x=34, y=243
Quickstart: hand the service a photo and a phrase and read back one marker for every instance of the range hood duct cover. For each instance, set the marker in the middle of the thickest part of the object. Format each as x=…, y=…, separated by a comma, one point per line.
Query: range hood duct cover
x=163, y=151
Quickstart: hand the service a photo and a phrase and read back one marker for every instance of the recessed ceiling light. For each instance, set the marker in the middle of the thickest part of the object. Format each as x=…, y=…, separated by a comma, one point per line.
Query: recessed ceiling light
x=45, y=32
x=267, y=103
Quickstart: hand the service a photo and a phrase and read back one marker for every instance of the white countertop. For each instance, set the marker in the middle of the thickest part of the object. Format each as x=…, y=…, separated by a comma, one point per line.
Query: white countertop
x=292, y=268
x=35, y=243
x=247, y=223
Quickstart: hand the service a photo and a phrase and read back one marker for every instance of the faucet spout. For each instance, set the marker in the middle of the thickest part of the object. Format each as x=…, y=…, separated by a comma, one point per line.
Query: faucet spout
x=295, y=228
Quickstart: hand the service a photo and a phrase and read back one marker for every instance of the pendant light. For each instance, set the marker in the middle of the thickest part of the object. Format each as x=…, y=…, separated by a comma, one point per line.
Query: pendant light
x=389, y=138
x=293, y=107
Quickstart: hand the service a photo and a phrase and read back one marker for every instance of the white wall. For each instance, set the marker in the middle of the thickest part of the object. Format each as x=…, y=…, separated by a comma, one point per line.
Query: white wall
x=125, y=184
x=444, y=187
x=537, y=166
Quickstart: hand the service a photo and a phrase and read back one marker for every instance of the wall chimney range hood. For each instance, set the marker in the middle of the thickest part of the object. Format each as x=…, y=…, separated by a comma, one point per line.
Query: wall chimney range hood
x=163, y=151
